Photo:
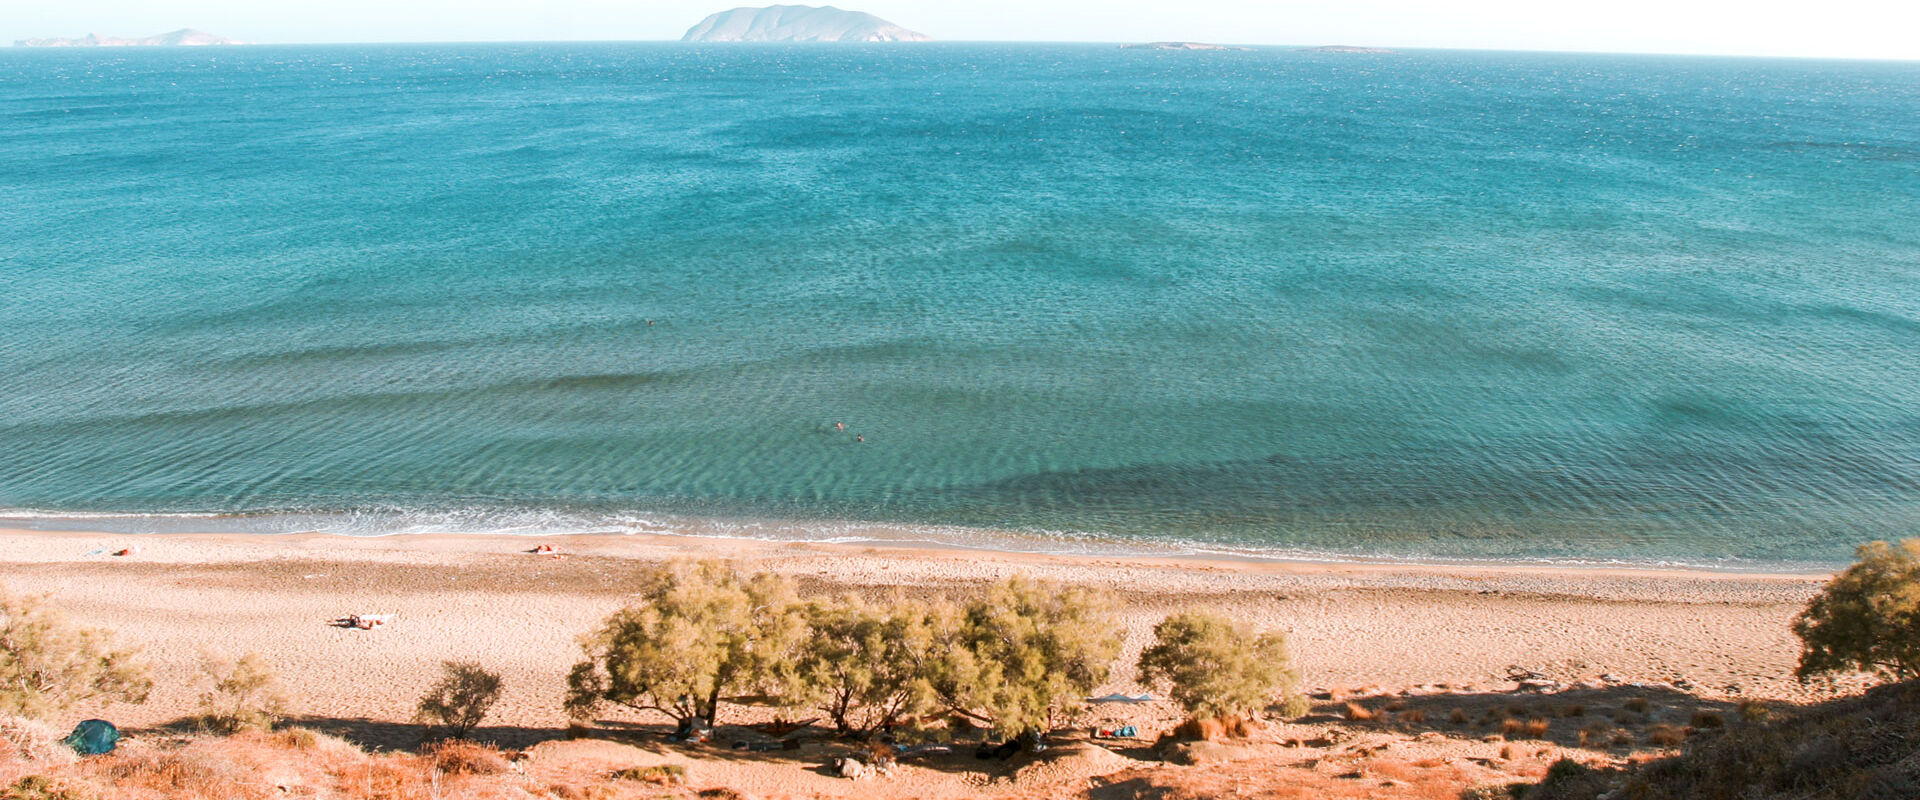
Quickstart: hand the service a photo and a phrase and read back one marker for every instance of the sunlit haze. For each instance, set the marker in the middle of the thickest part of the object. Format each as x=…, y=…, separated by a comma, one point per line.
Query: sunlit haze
x=1841, y=28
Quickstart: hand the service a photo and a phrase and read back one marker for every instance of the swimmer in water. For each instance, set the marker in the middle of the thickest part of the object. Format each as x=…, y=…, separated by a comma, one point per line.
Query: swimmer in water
x=839, y=426
x=859, y=438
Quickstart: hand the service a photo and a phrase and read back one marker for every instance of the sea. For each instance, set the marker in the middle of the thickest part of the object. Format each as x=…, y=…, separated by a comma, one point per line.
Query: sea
x=1272, y=303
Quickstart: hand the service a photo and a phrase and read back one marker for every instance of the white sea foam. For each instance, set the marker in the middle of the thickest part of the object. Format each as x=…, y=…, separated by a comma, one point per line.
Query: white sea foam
x=551, y=522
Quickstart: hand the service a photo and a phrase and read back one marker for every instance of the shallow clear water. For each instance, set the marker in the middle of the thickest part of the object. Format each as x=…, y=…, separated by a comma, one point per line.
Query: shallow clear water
x=1423, y=305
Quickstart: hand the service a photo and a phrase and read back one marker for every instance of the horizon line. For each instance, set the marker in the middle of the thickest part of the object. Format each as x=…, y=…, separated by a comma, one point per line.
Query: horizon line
x=17, y=45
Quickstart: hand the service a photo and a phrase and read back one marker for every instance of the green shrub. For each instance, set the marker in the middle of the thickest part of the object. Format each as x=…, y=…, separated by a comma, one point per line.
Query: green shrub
x=700, y=633
x=1867, y=618
x=1217, y=667
x=661, y=774
x=1022, y=654
x=462, y=698
x=41, y=787
x=47, y=664
x=245, y=695
x=864, y=664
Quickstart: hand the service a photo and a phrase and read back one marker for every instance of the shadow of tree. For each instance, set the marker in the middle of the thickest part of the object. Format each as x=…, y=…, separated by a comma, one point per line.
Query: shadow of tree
x=1601, y=712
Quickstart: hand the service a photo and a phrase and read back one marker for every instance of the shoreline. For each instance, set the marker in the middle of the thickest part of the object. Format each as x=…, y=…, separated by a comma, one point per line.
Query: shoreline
x=906, y=536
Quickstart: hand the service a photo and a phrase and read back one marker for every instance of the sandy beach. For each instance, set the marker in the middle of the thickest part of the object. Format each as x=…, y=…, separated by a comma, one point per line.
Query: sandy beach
x=486, y=599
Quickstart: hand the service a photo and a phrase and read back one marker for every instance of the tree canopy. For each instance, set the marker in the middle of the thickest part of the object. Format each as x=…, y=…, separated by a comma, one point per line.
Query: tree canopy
x=1867, y=618
x=699, y=634
x=1217, y=667
x=1024, y=652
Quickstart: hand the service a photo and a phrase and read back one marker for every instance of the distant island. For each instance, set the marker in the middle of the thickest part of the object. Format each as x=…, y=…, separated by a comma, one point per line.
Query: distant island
x=1180, y=46
x=1341, y=48
x=185, y=37
x=798, y=24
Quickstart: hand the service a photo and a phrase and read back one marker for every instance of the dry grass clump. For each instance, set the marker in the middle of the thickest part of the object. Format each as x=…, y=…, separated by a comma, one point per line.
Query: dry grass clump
x=658, y=775
x=1230, y=726
x=196, y=770
x=1458, y=716
x=573, y=791
x=1707, y=719
x=42, y=787
x=1532, y=727
x=1575, y=710
x=460, y=757
x=1359, y=713
x=32, y=741
x=1664, y=735
x=1413, y=716
x=1637, y=705
x=1600, y=734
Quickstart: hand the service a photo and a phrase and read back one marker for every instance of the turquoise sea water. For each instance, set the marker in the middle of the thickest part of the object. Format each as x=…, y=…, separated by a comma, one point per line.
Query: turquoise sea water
x=1427, y=305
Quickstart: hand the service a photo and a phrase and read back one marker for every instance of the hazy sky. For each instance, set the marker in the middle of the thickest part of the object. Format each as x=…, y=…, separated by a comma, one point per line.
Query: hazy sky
x=1839, y=28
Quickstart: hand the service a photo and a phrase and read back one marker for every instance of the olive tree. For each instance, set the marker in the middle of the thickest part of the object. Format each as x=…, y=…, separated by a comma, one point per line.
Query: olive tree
x=699, y=634
x=1867, y=618
x=863, y=664
x=47, y=664
x=1022, y=654
x=1217, y=668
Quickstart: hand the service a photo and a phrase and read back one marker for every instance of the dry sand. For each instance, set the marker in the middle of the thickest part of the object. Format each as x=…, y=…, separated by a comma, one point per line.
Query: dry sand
x=485, y=599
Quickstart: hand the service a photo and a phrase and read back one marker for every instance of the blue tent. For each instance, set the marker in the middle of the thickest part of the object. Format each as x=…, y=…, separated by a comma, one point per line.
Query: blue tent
x=93, y=737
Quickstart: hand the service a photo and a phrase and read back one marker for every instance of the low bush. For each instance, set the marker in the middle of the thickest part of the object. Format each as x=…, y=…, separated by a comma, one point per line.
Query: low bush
x=461, y=700
x=245, y=694
x=1217, y=667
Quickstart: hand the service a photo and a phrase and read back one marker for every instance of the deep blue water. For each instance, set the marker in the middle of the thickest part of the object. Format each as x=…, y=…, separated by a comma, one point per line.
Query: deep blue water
x=1432, y=304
